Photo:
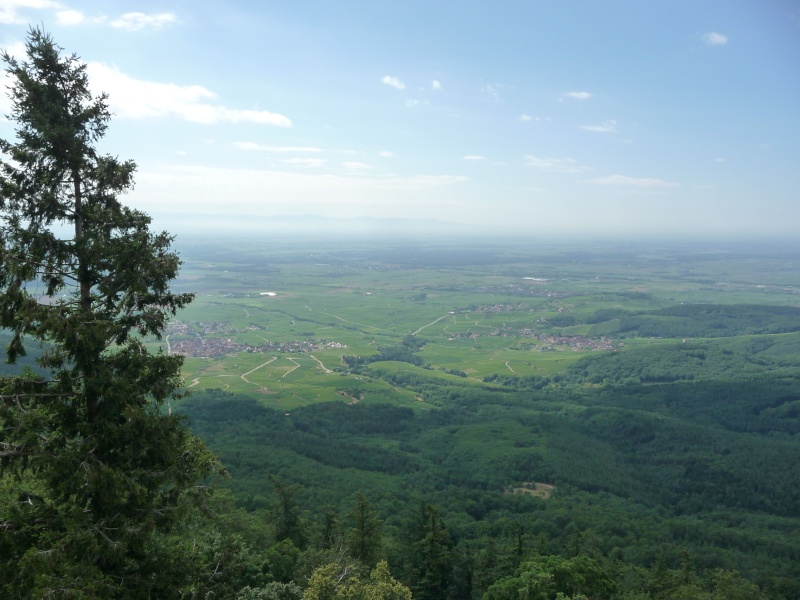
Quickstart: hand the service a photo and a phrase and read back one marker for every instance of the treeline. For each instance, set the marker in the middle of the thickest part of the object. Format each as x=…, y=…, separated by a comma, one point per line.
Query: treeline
x=674, y=362
x=698, y=320
x=403, y=352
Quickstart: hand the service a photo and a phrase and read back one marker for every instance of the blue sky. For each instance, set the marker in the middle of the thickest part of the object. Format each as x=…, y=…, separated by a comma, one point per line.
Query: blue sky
x=582, y=117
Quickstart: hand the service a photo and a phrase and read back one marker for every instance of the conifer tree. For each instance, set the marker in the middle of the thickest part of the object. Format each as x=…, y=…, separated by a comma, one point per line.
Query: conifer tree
x=364, y=539
x=92, y=468
x=428, y=554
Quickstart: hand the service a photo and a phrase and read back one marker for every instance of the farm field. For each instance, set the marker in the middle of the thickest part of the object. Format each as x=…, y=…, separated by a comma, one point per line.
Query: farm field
x=276, y=322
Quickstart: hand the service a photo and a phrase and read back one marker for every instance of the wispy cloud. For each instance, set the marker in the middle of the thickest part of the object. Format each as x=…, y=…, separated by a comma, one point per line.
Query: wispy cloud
x=356, y=166
x=490, y=91
x=385, y=154
x=414, y=103
x=136, y=21
x=473, y=157
x=578, y=95
x=393, y=82
x=607, y=126
x=9, y=9
x=305, y=162
x=526, y=118
x=136, y=99
x=265, y=148
x=637, y=182
x=556, y=165
x=436, y=86
x=712, y=38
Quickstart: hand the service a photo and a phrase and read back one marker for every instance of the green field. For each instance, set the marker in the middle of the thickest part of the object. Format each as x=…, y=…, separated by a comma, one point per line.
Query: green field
x=483, y=310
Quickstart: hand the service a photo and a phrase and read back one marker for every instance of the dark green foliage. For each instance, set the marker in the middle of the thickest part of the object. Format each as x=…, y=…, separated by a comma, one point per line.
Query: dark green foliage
x=703, y=320
x=286, y=513
x=640, y=471
x=547, y=577
x=364, y=538
x=428, y=554
x=93, y=471
x=403, y=352
x=561, y=320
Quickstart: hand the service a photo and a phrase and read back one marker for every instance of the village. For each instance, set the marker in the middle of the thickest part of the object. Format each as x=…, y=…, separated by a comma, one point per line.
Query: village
x=190, y=339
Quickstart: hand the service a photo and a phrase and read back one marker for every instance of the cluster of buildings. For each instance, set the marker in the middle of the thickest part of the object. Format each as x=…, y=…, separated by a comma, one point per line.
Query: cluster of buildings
x=209, y=340
x=578, y=343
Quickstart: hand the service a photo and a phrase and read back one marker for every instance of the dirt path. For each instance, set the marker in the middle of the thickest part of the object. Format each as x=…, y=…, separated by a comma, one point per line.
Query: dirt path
x=431, y=323
x=321, y=366
x=297, y=366
x=244, y=375
x=195, y=381
x=246, y=314
x=510, y=369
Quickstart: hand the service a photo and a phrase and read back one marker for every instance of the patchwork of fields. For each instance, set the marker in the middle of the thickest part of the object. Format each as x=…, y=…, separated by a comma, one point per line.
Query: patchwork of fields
x=274, y=323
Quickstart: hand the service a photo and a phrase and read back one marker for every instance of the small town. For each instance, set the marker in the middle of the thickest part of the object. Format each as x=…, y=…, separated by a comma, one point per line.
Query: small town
x=185, y=339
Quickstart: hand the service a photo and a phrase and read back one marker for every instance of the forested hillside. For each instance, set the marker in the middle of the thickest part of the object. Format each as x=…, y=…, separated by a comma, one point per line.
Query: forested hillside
x=663, y=472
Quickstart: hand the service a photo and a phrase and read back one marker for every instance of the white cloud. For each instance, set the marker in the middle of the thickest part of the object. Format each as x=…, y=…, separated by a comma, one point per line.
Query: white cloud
x=385, y=154
x=525, y=117
x=393, y=82
x=9, y=14
x=607, y=126
x=356, y=166
x=414, y=103
x=578, y=95
x=490, y=91
x=474, y=157
x=305, y=162
x=436, y=86
x=136, y=21
x=69, y=17
x=136, y=99
x=719, y=160
x=638, y=182
x=556, y=165
x=712, y=38
x=265, y=148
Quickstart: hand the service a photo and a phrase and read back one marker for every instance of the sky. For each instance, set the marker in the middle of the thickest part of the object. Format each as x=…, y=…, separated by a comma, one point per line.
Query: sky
x=562, y=117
